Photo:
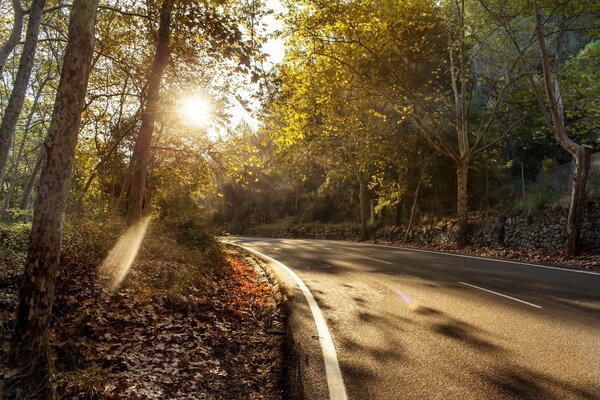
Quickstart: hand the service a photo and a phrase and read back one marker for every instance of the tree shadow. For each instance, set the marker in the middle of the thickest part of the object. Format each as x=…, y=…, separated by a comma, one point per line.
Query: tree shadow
x=521, y=383
x=455, y=331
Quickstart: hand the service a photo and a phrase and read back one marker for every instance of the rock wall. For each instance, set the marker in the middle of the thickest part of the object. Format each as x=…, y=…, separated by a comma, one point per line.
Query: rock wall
x=543, y=228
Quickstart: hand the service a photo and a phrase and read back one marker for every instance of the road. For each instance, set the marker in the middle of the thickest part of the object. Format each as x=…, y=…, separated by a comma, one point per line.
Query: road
x=409, y=324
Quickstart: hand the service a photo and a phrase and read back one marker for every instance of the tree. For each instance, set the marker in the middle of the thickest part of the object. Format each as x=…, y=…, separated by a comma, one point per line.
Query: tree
x=29, y=358
x=580, y=153
x=15, y=34
x=142, y=152
x=17, y=97
x=327, y=109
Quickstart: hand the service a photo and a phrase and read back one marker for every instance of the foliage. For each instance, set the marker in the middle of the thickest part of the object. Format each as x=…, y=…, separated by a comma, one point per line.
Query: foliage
x=547, y=165
x=14, y=240
x=537, y=197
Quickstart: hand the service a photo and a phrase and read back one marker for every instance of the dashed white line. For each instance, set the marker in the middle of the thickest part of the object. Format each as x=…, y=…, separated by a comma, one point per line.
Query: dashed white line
x=502, y=295
x=333, y=373
x=376, y=259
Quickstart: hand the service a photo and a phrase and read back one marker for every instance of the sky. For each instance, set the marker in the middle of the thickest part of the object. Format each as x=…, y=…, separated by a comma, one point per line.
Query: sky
x=275, y=50
x=274, y=47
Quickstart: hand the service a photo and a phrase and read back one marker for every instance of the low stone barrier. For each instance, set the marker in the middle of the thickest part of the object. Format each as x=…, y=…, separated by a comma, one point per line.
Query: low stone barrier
x=541, y=228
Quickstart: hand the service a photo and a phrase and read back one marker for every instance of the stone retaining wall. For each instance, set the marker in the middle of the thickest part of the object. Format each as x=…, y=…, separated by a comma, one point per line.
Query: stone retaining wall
x=544, y=228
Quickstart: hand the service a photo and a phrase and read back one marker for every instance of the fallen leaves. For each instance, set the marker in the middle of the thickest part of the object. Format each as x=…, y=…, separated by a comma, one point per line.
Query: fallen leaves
x=174, y=329
x=538, y=256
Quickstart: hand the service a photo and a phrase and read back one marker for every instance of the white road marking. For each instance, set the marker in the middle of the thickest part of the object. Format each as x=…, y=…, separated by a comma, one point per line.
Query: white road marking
x=500, y=294
x=376, y=259
x=335, y=381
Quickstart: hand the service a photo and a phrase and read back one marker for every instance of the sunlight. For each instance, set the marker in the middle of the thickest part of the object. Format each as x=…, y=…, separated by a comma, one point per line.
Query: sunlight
x=196, y=110
x=116, y=265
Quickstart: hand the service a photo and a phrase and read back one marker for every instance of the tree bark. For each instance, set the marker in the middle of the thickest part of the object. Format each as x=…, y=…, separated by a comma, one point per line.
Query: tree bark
x=17, y=96
x=580, y=153
x=398, y=214
x=415, y=201
x=142, y=154
x=15, y=34
x=33, y=177
x=18, y=158
x=363, y=207
x=462, y=178
x=458, y=72
x=29, y=358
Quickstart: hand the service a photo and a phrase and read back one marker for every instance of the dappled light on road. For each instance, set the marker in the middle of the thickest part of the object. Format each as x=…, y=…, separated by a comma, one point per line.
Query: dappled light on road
x=118, y=262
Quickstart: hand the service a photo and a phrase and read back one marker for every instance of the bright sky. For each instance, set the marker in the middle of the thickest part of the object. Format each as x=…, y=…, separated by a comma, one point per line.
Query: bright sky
x=275, y=49
x=198, y=110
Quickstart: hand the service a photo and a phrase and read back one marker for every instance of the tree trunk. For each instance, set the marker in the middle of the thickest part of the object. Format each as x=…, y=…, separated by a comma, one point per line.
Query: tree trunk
x=15, y=34
x=415, y=201
x=144, y=140
x=297, y=200
x=17, y=96
x=29, y=358
x=458, y=72
x=462, y=177
x=578, y=196
x=17, y=161
x=579, y=152
x=28, y=190
x=363, y=207
x=398, y=214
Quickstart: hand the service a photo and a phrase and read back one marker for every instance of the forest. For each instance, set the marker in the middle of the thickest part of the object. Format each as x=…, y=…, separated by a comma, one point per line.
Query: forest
x=119, y=115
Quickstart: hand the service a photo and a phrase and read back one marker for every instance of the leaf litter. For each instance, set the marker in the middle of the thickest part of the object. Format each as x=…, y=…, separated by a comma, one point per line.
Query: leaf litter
x=173, y=330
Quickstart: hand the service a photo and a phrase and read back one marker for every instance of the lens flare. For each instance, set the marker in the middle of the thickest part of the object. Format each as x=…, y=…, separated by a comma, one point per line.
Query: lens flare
x=412, y=305
x=118, y=262
x=196, y=111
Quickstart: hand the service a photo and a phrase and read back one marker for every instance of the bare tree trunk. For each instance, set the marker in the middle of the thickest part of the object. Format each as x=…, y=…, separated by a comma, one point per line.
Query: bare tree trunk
x=415, y=200
x=29, y=358
x=398, y=214
x=458, y=72
x=363, y=207
x=577, y=206
x=580, y=153
x=17, y=96
x=15, y=34
x=17, y=161
x=297, y=200
x=462, y=178
x=33, y=177
x=144, y=140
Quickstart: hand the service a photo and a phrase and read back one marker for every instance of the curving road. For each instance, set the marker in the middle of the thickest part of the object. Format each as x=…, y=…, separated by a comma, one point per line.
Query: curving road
x=410, y=324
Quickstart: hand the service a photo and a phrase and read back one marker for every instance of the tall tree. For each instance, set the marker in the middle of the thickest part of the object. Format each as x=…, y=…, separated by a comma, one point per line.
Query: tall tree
x=29, y=358
x=142, y=152
x=580, y=153
x=15, y=33
x=17, y=97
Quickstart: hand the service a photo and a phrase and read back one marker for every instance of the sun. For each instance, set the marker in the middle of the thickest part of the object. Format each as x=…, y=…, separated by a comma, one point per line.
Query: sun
x=196, y=110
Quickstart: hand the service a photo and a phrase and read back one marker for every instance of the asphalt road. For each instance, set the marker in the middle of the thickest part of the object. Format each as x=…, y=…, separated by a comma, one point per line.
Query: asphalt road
x=409, y=324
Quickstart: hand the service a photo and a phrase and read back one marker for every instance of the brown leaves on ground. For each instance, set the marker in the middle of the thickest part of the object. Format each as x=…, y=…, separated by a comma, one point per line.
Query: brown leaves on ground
x=590, y=262
x=173, y=330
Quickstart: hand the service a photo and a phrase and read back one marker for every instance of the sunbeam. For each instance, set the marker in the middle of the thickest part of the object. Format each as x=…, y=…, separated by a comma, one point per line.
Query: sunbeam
x=118, y=262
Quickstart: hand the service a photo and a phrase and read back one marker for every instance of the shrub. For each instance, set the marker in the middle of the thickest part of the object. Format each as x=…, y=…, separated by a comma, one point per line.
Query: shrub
x=14, y=241
x=537, y=197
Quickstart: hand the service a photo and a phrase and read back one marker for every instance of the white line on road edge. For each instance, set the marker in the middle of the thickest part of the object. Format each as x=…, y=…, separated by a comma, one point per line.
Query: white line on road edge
x=335, y=382
x=500, y=294
x=375, y=259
